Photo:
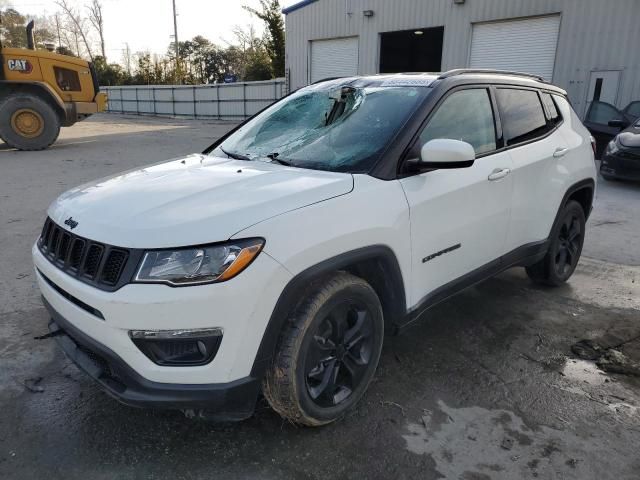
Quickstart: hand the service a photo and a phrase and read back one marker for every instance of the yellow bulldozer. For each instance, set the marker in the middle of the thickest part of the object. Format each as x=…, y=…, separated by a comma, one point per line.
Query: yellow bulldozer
x=41, y=91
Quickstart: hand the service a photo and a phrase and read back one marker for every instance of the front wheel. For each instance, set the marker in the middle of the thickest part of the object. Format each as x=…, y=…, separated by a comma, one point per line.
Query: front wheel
x=27, y=122
x=567, y=239
x=327, y=353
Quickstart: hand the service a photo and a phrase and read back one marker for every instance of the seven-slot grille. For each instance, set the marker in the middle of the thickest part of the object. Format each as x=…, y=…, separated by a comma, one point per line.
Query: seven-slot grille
x=92, y=262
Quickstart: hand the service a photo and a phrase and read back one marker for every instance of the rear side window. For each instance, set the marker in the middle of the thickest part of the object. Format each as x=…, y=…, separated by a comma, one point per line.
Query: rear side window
x=67, y=80
x=553, y=114
x=464, y=115
x=521, y=114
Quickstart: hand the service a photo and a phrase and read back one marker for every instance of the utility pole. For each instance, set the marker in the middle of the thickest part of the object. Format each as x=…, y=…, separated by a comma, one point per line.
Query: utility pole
x=175, y=32
x=127, y=57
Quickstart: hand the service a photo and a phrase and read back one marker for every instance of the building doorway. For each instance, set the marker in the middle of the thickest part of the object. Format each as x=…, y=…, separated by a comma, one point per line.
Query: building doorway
x=416, y=50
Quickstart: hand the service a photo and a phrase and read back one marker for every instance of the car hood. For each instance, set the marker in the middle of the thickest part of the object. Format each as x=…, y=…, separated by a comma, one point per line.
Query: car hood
x=630, y=137
x=192, y=200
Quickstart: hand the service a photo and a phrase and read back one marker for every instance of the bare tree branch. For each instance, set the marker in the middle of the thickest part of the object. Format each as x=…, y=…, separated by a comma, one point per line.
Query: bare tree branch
x=78, y=22
x=97, y=20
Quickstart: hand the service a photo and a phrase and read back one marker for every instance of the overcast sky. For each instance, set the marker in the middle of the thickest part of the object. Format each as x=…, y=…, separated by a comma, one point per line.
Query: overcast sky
x=148, y=24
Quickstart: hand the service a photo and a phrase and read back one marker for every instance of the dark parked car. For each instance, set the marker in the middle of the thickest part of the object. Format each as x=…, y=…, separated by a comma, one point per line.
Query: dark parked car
x=605, y=121
x=621, y=156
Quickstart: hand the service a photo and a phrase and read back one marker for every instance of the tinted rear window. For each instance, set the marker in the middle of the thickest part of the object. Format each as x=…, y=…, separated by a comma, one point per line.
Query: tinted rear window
x=522, y=115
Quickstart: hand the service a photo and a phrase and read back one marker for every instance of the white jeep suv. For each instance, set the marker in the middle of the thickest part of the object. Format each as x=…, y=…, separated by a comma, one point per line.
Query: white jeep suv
x=275, y=261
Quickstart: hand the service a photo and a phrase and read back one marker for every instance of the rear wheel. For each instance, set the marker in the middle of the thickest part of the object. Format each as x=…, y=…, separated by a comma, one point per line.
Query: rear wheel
x=567, y=239
x=328, y=353
x=27, y=122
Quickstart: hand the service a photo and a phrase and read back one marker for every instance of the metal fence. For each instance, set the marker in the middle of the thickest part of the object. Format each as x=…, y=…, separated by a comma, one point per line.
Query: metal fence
x=224, y=101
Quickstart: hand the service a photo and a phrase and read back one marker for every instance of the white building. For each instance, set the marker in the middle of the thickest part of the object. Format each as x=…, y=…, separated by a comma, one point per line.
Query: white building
x=588, y=47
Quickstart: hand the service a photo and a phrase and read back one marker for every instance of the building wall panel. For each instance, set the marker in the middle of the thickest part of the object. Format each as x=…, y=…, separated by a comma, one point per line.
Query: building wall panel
x=594, y=34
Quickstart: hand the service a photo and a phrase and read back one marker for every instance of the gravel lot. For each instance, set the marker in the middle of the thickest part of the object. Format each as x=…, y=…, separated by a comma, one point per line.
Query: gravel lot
x=486, y=387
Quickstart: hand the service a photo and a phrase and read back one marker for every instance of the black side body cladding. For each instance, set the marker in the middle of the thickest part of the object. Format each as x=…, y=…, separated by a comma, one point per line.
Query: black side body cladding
x=522, y=256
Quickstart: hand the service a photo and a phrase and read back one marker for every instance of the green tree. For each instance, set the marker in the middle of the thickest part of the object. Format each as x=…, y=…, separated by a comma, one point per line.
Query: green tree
x=64, y=50
x=109, y=74
x=258, y=67
x=145, y=72
x=271, y=14
x=13, y=29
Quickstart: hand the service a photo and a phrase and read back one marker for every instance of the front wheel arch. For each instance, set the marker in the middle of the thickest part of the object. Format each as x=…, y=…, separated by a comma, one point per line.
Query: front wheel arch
x=367, y=263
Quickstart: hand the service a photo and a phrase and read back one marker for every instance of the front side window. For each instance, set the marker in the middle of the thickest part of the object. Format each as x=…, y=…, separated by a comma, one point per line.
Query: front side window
x=465, y=115
x=328, y=126
x=521, y=114
x=67, y=80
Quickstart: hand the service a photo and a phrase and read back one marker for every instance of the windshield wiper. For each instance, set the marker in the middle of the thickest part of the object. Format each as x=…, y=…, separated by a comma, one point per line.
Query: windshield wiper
x=274, y=157
x=234, y=155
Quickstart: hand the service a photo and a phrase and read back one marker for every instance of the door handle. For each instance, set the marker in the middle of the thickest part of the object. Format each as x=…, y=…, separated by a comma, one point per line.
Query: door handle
x=499, y=173
x=560, y=152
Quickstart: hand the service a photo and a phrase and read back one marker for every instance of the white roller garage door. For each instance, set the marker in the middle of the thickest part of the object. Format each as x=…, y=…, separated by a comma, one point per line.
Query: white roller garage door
x=337, y=57
x=527, y=45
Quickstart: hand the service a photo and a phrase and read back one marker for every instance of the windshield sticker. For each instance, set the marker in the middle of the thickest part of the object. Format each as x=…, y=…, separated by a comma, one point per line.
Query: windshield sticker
x=408, y=82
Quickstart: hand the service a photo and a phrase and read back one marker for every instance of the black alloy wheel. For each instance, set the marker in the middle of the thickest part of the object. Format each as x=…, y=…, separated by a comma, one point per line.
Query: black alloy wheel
x=565, y=246
x=339, y=354
x=328, y=352
x=569, y=245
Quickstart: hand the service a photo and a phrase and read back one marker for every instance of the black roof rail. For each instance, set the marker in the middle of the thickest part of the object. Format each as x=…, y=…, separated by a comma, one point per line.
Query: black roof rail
x=461, y=71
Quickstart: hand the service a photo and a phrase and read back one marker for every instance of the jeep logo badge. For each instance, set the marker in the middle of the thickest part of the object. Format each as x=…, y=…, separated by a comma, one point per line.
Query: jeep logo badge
x=18, y=65
x=71, y=223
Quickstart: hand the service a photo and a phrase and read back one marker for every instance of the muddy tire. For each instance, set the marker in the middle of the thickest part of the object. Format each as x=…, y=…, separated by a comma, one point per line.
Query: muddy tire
x=567, y=239
x=327, y=353
x=27, y=122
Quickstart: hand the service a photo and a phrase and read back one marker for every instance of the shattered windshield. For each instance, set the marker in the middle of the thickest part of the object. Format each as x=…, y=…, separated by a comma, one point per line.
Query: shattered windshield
x=326, y=127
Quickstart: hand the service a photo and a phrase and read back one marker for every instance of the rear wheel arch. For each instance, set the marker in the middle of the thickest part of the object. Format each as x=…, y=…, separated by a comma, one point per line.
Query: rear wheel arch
x=377, y=265
x=583, y=193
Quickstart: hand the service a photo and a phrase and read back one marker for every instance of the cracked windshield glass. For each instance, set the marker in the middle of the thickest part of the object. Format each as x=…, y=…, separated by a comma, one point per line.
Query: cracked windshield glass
x=326, y=127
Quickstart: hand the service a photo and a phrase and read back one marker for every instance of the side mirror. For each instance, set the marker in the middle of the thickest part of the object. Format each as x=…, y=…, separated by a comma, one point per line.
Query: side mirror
x=618, y=123
x=444, y=153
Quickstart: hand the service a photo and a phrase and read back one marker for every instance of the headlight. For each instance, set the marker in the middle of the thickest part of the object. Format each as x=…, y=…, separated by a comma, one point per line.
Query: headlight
x=612, y=147
x=198, y=265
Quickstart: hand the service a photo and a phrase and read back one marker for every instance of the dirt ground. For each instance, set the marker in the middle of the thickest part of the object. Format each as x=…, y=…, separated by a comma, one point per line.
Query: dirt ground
x=485, y=387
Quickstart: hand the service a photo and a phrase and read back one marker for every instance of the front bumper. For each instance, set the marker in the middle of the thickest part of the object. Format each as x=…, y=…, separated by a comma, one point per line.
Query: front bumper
x=229, y=401
x=240, y=307
x=624, y=165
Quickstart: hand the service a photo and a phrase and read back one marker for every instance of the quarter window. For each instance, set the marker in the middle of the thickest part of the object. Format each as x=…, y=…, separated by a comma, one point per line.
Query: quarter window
x=464, y=115
x=67, y=80
x=553, y=115
x=521, y=114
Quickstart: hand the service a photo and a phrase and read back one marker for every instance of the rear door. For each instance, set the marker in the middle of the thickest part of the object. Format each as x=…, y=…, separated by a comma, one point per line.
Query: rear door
x=459, y=217
x=537, y=148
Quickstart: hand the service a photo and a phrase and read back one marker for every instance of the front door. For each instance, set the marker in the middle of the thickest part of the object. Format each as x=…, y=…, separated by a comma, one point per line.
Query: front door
x=459, y=217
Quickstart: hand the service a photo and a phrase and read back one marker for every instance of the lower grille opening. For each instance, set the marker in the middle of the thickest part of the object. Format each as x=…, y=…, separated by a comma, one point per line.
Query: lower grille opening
x=76, y=301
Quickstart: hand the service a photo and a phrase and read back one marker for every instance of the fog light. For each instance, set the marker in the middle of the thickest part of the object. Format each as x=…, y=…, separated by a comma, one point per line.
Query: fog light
x=178, y=347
